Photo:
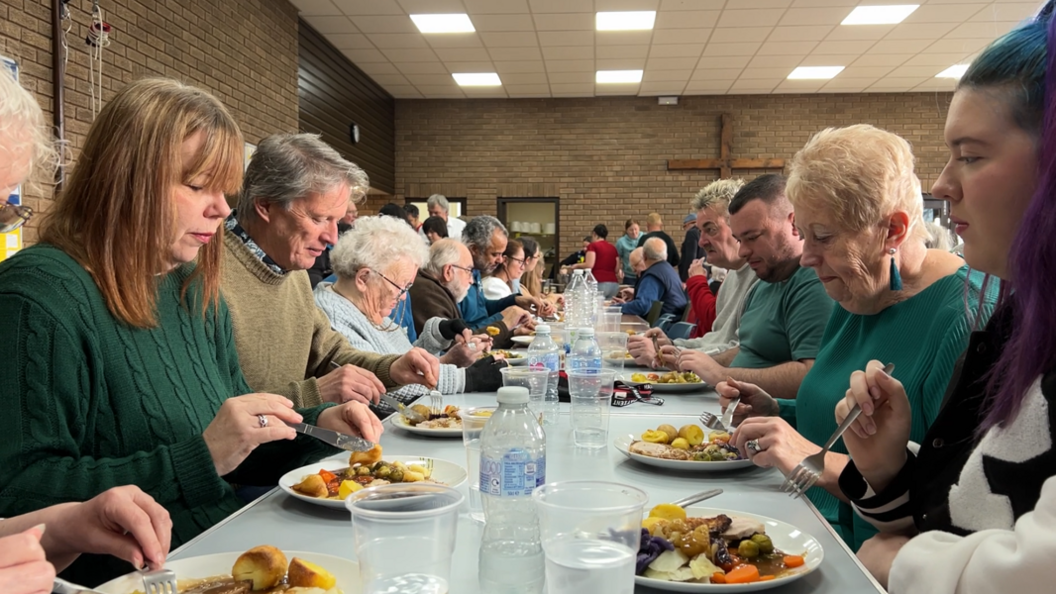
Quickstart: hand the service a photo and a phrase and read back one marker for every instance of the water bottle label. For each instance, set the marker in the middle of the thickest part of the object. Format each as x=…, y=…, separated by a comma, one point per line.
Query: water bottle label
x=549, y=361
x=515, y=474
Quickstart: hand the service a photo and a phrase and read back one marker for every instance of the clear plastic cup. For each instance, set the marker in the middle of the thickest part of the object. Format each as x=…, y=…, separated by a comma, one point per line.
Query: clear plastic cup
x=591, y=531
x=534, y=379
x=591, y=394
x=404, y=537
x=614, y=348
x=473, y=421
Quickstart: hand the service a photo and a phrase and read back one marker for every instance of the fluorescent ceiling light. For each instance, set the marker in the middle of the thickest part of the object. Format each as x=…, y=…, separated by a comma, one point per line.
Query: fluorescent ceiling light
x=477, y=79
x=804, y=72
x=955, y=71
x=625, y=21
x=880, y=15
x=443, y=23
x=618, y=76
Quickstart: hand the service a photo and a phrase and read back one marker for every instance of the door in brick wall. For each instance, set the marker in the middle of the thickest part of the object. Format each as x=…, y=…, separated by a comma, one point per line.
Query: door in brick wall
x=536, y=218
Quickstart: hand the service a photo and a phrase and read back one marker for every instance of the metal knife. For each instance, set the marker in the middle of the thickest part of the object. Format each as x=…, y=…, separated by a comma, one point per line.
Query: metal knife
x=61, y=586
x=350, y=443
x=697, y=497
x=412, y=415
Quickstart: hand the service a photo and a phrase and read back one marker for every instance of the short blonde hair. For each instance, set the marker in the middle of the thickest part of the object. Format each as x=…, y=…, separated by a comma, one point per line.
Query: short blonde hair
x=22, y=121
x=653, y=219
x=859, y=173
x=717, y=194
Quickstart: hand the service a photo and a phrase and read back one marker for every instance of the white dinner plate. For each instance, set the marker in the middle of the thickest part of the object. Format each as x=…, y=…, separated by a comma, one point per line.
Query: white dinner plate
x=525, y=340
x=445, y=472
x=399, y=421
x=659, y=388
x=623, y=444
x=786, y=537
x=346, y=572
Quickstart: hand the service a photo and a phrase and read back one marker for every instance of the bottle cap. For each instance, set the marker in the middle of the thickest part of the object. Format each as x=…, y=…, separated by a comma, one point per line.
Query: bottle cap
x=586, y=331
x=513, y=395
x=542, y=329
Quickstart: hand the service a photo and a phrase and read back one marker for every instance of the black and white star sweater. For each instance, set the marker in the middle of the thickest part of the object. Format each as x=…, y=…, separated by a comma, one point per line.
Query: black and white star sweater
x=985, y=507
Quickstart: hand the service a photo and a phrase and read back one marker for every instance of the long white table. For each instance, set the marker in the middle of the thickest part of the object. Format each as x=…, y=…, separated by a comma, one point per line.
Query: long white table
x=294, y=525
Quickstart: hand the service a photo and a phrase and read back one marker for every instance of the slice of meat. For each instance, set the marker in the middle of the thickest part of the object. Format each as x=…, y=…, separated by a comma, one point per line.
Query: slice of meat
x=221, y=586
x=741, y=528
x=716, y=525
x=659, y=450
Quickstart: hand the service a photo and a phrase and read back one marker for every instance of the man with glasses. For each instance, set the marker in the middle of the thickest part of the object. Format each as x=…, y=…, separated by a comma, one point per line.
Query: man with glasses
x=296, y=189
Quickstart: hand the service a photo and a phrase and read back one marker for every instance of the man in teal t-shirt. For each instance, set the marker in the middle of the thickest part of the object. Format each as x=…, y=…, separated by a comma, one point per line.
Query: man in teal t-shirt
x=785, y=315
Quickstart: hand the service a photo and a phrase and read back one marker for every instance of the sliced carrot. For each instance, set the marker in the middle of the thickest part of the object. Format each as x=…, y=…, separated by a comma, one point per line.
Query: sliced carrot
x=793, y=561
x=744, y=574
x=718, y=578
x=767, y=578
x=328, y=476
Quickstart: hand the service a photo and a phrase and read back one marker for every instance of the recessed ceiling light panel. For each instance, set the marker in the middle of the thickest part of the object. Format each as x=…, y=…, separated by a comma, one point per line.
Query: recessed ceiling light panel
x=625, y=21
x=955, y=71
x=477, y=79
x=815, y=72
x=880, y=15
x=443, y=23
x=618, y=76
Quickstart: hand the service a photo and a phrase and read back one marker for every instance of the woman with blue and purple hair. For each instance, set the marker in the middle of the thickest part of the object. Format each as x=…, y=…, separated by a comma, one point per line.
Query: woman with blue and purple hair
x=973, y=509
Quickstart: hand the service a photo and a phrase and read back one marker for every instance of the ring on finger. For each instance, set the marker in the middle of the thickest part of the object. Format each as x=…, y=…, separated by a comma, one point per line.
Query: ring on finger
x=263, y=420
x=752, y=445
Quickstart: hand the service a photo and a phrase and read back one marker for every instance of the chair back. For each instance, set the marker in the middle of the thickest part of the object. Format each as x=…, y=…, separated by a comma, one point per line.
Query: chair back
x=654, y=313
x=680, y=330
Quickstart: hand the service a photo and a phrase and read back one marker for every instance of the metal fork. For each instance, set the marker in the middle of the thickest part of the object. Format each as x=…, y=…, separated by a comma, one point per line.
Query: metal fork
x=725, y=423
x=807, y=472
x=711, y=421
x=436, y=403
x=162, y=581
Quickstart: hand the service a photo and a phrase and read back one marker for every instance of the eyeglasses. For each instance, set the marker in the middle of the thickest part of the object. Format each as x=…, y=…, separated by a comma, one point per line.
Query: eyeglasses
x=517, y=260
x=402, y=291
x=13, y=216
x=469, y=270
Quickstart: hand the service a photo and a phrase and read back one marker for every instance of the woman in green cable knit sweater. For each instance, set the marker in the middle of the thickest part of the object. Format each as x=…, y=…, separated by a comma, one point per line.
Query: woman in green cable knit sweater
x=859, y=210
x=121, y=364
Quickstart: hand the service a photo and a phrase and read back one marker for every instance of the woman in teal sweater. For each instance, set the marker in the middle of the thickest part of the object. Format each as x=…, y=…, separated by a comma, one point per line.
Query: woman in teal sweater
x=859, y=210
x=121, y=363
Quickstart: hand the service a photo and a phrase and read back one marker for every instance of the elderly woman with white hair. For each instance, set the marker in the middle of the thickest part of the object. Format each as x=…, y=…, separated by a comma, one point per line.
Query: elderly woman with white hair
x=858, y=209
x=376, y=263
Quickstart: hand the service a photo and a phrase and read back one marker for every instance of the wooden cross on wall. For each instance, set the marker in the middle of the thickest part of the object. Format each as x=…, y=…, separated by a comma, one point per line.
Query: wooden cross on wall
x=725, y=163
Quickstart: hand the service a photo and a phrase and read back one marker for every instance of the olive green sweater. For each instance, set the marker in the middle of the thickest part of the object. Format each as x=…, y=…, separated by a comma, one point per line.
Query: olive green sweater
x=90, y=403
x=284, y=340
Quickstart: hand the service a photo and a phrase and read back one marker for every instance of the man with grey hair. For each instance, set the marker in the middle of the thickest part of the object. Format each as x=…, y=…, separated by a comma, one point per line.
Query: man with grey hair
x=720, y=249
x=438, y=206
x=295, y=190
x=658, y=281
x=444, y=282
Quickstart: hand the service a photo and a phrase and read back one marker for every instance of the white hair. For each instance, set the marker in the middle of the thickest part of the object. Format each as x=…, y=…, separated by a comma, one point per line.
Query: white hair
x=437, y=200
x=377, y=243
x=442, y=253
x=22, y=124
x=654, y=249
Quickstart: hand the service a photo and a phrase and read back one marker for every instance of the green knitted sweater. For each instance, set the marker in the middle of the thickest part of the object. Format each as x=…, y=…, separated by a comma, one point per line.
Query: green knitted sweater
x=90, y=403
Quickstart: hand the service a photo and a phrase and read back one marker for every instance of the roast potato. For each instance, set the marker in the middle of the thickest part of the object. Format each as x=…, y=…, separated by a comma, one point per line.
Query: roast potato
x=368, y=457
x=305, y=574
x=265, y=566
x=313, y=485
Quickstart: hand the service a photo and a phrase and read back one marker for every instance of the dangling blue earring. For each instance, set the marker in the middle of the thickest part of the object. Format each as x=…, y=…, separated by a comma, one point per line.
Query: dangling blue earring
x=896, y=278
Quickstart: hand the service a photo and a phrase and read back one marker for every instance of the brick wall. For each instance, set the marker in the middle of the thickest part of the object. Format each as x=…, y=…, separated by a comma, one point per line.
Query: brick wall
x=605, y=158
x=244, y=52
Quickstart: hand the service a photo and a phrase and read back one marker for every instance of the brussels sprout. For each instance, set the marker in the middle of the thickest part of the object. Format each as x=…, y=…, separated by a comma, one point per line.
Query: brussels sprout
x=748, y=549
x=379, y=464
x=383, y=472
x=766, y=546
x=362, y=470
x=396, y=475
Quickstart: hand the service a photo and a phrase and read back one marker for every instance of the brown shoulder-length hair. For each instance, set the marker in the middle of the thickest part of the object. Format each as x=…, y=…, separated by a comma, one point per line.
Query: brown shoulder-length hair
x=116, y=215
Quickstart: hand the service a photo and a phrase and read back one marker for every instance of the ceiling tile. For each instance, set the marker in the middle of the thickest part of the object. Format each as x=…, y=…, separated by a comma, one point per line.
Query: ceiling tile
x=814, y=16
x=623, y=37
x=623, y=5
x=510, y=39
x=564, y=22
x=621, y=64
x=706, y=74
x=783, y=60
x=317, y=7
x=690, y=19
x=675, y=5
x=677, y=51
x=566, y=38
x=881, y=59
x=767, y=73
x=901, y=46
x=477, y=7
x=847, y=85
x=432, y=6
x=617, y=89
x=436, y=67
x=800, y=86
x=578, y=52
x=410, y=55
x=890, y=82
x=957, y=46
x=525, y=78
x=472, y=66
x=937, y=84
x=666, y=75
x=929, y=59
x=510, y=54
x=748, y=18
x=815, y=33
x=858, y=32
x=378, y=68
x=398, y=40
x=872, y=72
x=541, y=6
x=842, y=48
x=761, y=3
x=403, y=92
x=781, y=48
x=945, y=13
x=385, y=24
x=519, y=67
x=669, y=63
x=441, y=91
x=920, y=31
x=823, y=3
x=503, y=22
x=390, y=79
x=368, y=7
x=824, y=60
x=542, y=90
x=917, y=71
x=572, y=89
x=707, y=87
x=431, y=79
x=723, y=62
x=349, y=41
x=454, y=41
x=463, y=55
x=976, y=30
x=570, y=65
x=624, y=51
x=364, y=55
x=754, y=86
x=331, y=24
x=680, y=36
x=739, y=34
x=482, y=92
x=571, y=77
x=661, y=88
x=717, y=50
x=1007, y=11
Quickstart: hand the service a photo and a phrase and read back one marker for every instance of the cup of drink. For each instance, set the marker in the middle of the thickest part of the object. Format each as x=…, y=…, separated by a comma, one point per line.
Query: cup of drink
x=534, y=379
x=404, y=536
x=473, y=421
x=614, y=347
x=591, y=531
x=591, y=394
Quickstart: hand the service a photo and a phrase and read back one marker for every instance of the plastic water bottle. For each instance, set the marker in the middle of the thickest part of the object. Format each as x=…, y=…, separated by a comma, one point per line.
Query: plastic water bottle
x=573, y=309
x=590, y=282
x=586, y=354
x=544, y=353
x=512, y=465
